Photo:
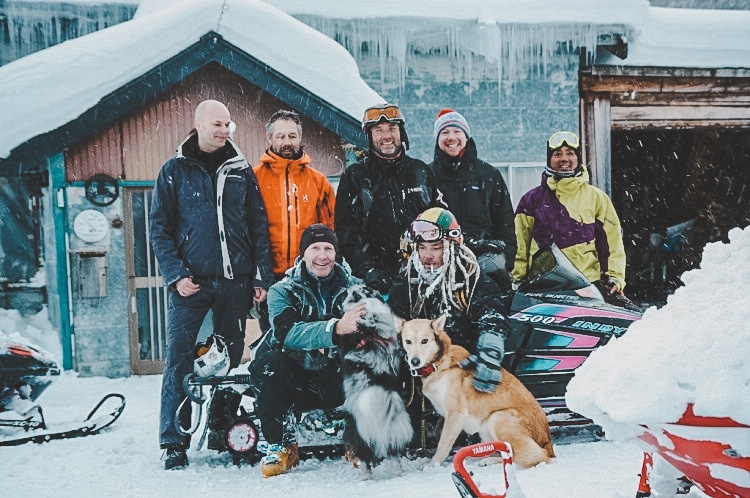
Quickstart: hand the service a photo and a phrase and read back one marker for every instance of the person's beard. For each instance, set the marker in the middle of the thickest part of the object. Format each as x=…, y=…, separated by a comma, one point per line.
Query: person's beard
x=288, y=152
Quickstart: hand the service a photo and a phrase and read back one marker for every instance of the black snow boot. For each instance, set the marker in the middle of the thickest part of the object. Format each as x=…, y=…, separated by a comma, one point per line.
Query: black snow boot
x=175, y=457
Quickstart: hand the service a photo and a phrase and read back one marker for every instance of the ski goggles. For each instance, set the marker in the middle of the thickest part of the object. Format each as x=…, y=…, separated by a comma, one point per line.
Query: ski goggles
x=389, y=112
x=425, y=231
x=561, y=138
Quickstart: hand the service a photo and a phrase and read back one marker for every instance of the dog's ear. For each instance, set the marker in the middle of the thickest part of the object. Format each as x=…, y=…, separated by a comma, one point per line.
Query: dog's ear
x=398, y=322
x=438, y=324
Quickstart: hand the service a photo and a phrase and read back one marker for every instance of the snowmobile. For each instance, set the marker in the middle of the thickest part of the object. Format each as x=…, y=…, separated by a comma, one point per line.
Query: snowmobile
x=710, y=452
x=557, y=319
x=25, y=372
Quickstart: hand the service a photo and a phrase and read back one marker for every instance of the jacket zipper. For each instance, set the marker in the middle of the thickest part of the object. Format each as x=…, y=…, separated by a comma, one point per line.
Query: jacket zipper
x=288, y=219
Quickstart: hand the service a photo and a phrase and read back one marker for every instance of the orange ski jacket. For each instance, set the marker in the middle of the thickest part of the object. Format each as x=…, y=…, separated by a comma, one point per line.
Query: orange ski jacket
x=296, y=196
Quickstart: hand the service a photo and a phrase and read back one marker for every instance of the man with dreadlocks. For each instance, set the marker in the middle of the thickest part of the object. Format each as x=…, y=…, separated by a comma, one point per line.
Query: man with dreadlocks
x=442, y=277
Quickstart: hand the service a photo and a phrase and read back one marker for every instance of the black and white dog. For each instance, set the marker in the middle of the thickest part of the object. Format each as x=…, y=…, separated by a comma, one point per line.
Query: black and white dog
x=378, y=426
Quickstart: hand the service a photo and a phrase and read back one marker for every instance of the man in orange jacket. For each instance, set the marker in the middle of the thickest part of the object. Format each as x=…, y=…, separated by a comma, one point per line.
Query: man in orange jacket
x=296, y=195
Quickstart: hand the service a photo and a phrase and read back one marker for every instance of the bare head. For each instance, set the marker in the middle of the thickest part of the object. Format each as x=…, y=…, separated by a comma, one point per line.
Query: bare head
x=212, y=122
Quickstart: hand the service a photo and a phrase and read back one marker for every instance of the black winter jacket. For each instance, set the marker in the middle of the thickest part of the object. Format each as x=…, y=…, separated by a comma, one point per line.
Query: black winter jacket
x=198, y=232
x=376, y=201
x=485, y=314
x=477, y=195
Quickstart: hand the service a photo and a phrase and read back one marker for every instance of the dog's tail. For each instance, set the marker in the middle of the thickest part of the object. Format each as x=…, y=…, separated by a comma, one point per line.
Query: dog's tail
x=382, y=420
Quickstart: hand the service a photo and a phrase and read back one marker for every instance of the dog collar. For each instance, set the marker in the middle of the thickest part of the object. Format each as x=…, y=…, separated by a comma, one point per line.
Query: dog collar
x=425, y=371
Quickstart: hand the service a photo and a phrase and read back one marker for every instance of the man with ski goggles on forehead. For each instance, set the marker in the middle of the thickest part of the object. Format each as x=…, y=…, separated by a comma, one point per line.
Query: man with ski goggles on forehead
x=378, y=197
x=578, y=217
x=442, y=277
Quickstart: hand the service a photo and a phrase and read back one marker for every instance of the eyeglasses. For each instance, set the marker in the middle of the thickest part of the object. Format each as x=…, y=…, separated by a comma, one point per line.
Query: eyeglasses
x=426, y=231
x=386, y=111
x=561, y=138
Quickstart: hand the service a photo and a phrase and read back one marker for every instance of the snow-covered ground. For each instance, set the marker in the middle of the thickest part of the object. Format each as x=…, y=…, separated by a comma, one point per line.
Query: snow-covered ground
x=695, y=349
x=124, y=460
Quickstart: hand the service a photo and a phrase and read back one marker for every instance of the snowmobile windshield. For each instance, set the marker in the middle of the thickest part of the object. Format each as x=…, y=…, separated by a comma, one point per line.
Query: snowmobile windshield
x=551, y=270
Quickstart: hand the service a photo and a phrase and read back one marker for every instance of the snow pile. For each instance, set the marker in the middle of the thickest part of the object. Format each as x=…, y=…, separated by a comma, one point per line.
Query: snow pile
x=696, y=349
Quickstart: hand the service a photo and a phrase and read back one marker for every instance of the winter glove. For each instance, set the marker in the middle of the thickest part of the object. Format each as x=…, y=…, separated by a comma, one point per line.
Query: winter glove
x=607, y=285
x=378, y=280
x=485, y=245
x=613, y=295
x=488, y=360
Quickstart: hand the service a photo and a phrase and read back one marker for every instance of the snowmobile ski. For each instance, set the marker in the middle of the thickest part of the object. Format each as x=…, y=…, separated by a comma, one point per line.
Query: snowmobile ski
x=92, y=424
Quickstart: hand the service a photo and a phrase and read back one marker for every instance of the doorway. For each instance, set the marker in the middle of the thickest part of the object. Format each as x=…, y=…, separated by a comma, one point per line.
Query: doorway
x=675, y=191
x=147, y=295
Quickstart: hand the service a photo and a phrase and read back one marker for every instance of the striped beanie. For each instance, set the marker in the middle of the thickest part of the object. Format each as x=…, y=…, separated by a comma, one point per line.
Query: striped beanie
x=449, y=117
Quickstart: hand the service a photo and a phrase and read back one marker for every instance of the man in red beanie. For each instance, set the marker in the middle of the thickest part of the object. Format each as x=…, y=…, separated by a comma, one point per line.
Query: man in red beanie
x=476, y=194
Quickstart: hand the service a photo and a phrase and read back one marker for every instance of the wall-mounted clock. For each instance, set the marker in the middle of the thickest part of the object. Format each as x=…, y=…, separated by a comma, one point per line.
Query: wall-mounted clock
x=90, y=225
x=101, y=189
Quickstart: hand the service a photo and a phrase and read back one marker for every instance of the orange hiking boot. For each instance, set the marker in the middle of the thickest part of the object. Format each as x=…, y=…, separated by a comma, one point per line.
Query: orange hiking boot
x=279, y=460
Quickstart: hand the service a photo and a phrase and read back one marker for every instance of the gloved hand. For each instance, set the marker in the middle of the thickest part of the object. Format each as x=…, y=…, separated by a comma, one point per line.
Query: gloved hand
x=378, y=280
x=485, y=245
x=488, y=360
x=607, y=285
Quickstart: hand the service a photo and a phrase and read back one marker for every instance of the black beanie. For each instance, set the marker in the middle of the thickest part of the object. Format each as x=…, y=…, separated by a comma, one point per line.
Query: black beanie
x=317, y=232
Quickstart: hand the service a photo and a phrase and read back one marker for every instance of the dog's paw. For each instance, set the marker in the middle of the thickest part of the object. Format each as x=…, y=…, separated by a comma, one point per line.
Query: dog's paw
x=350, y=457
x=365, y=473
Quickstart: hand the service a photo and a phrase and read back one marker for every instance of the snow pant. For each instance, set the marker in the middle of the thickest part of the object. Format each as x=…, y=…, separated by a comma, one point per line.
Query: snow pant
x=289, y=386
x=230, y=302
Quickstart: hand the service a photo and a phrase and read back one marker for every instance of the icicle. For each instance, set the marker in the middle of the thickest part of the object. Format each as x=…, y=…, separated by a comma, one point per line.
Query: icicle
x=515, y=50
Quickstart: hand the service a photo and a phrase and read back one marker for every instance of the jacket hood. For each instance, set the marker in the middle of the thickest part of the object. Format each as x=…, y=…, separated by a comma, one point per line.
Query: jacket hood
x=566, y=184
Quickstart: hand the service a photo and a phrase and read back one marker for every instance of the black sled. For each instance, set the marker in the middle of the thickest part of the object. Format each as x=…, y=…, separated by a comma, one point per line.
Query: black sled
x=223, y=406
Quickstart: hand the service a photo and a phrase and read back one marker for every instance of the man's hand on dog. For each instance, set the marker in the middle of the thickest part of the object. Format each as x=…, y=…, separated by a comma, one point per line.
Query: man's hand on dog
x=487, y=362
x=348, y=323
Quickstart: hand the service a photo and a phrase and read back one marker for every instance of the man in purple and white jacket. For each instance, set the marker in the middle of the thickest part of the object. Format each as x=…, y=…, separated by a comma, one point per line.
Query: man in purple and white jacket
x=576, y=216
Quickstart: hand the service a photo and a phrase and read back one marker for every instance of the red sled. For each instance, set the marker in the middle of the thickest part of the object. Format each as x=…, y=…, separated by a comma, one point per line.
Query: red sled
x=712, y=452
x=464, y=479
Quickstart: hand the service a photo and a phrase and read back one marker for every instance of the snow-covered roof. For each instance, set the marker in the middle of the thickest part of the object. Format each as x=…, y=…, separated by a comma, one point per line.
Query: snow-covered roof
x=49, y=88
x=666, y=37
x=690, y=38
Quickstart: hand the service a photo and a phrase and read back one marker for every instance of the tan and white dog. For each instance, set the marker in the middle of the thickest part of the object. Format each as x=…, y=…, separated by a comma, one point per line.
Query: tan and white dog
x=510, y=413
